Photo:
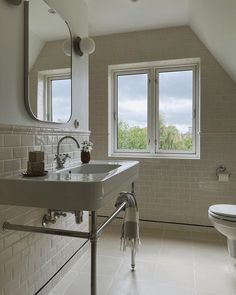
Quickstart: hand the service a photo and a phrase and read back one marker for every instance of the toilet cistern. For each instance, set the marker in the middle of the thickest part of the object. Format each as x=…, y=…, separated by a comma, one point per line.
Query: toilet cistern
x=61, y=158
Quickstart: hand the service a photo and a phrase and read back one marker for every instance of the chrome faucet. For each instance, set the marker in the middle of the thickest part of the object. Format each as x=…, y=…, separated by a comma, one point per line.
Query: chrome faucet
x=61, y=158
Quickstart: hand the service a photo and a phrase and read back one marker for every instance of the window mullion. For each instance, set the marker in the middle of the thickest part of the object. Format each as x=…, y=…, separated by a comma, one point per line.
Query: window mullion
x=115, y=113
x=157, y=114
x=195, y=109
x=49, y=98
x=151, y=112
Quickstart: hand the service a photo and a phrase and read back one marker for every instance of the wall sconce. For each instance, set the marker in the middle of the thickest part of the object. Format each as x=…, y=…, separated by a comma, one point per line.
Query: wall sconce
x=15, y=2
x=84, y=46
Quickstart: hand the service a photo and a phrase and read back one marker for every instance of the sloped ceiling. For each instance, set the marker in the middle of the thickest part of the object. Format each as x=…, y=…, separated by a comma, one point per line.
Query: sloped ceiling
x=214, y=21
x=118, y=16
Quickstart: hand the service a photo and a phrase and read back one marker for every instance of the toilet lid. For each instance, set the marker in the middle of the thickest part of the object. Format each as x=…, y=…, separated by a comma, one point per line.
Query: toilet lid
x=224, y=210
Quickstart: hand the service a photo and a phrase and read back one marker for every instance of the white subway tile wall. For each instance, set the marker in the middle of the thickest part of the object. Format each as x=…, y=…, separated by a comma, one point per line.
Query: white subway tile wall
x=27, y=261
x=169, y=189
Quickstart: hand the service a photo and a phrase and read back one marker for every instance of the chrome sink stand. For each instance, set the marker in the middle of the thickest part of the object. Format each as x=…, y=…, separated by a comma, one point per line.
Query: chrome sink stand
x=92, y=235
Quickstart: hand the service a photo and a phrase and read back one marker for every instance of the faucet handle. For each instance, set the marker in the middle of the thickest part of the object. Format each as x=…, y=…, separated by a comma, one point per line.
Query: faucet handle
x=62, y=156
x=60, y=213
x=66, y=156
x=61, y=159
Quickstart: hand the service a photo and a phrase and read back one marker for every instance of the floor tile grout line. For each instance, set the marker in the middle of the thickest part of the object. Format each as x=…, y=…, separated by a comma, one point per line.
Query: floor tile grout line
x=191, y=242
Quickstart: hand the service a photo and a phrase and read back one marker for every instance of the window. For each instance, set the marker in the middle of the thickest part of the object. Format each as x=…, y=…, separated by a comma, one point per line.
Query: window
x=54, y=95
x=131, y=127
x=59, y=98
x=154, y=109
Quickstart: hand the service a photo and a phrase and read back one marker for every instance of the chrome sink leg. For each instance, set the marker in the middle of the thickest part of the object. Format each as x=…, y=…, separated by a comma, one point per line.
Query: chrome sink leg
x=132, y=250
x=93, y=241
x=132, y=259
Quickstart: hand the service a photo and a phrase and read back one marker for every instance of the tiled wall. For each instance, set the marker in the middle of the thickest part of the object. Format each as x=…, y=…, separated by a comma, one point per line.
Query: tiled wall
x=172, y=190
x=27, y=261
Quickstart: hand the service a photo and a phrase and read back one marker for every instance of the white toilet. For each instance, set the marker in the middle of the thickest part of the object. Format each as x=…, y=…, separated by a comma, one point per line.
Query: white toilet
x=223, y=217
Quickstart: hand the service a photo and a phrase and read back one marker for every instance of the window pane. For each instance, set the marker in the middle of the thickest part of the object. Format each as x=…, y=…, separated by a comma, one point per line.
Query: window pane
x=61, y=100
x=175, y=110
x=132, y=111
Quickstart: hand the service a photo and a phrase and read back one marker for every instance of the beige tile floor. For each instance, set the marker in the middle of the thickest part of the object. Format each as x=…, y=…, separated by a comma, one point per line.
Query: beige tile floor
x=168, y=263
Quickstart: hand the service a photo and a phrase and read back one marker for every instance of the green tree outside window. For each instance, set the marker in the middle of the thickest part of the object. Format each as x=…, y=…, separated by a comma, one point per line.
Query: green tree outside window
x=135, y=138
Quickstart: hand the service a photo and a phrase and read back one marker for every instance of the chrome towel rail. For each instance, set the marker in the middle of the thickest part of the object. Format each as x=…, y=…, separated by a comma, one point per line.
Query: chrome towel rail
x=47, y=231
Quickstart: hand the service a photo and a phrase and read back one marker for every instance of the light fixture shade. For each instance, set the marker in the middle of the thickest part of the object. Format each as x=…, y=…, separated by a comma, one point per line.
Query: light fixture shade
x=85, y=45
x=67, y=47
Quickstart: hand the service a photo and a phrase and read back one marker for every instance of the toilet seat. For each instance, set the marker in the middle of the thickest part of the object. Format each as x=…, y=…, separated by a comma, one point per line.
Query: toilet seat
x=224, y=212
x=223, y=218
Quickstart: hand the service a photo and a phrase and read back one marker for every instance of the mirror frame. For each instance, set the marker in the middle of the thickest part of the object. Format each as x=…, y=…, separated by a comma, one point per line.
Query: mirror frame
x=26, y=64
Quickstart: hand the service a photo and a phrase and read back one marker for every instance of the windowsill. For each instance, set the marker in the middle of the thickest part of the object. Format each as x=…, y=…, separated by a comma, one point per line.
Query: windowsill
x=155, y=156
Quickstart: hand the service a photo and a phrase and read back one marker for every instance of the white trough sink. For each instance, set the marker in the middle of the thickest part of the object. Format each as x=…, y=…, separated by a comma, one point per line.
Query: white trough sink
x=94, y=168
x=81, y=187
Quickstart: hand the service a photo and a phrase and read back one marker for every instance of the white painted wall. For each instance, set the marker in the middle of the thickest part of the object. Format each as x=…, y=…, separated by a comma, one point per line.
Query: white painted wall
x=12, y=109
x=214, y=21
x=36, y=46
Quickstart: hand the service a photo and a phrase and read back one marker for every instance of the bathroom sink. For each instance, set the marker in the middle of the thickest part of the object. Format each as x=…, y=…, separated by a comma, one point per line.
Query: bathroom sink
x=94, y=168
x=78, y=187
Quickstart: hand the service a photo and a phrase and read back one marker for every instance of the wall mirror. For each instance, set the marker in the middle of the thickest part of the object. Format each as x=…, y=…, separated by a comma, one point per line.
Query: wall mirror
x=48, y=65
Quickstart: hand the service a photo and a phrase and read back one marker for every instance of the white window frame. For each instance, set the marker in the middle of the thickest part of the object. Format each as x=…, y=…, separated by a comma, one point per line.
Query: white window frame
x=48, y=76
x=152, y=68
x=116, y=75
x=48, y=97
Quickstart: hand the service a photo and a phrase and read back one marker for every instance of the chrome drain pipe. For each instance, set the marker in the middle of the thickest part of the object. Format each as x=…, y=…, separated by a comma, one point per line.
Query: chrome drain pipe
x=52, y=217
x=78, y=216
